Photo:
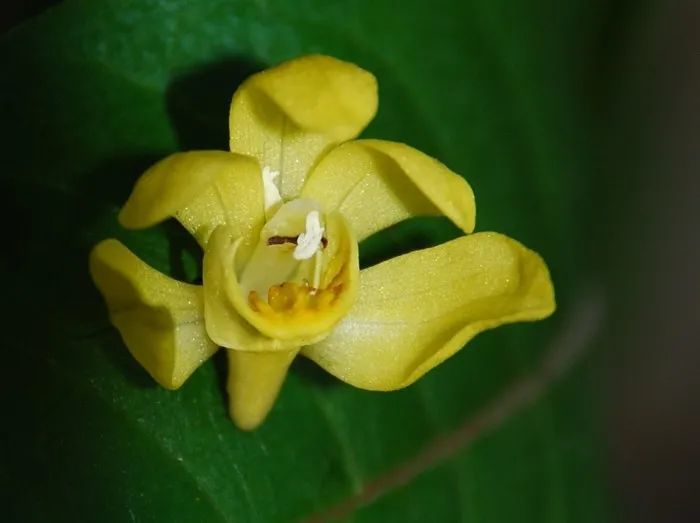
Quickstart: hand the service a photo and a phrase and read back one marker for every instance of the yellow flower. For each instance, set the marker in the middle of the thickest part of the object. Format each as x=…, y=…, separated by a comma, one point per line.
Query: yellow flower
x=279, y=218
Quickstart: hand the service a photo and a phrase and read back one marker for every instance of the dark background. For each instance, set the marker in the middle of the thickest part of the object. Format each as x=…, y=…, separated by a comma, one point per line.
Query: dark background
x=652, y=102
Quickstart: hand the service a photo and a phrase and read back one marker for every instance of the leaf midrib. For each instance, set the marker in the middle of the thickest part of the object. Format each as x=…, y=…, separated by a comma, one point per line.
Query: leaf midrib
x=567, y=348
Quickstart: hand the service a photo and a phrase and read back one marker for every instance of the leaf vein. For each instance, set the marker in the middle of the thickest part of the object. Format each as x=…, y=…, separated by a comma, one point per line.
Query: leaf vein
x=566, y=348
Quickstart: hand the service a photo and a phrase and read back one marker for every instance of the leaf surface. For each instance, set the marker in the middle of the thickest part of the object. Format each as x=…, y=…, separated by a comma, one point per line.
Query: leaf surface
x=94, y=92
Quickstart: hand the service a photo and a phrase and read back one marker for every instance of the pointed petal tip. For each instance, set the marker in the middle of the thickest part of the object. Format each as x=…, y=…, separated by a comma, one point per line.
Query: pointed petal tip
x=376, y=183
x=391, y=339
x=345, y=95
x=174, y=182
x=244, y=420
x=160, y=319
x=254, y=382
x=288, y=116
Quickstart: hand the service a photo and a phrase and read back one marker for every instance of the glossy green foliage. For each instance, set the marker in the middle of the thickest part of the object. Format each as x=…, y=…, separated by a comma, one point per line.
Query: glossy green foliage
x=93, y=92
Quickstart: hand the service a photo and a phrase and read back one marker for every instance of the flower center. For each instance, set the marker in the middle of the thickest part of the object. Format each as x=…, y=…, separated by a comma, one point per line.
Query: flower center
x=286, y=273
x=302, y=276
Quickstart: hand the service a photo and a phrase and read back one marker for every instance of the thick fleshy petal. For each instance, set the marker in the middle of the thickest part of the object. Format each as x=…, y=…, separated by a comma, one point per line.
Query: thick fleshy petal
x=416, y=310
x=224, y=323
x=160, y=319
x=202, y=189
x=288, y=115
x=233, y=321
x=375, y=184
x=254, y=380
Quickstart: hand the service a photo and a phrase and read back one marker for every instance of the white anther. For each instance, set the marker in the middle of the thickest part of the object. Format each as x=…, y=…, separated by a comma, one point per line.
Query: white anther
x=309, y=241
x=271, y=193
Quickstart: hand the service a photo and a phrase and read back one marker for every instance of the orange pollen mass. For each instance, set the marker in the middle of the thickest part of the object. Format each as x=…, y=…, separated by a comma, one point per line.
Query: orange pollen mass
x=291, y=298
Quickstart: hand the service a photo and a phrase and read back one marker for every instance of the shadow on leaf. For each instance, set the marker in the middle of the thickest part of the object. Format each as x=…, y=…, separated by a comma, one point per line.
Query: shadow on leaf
x=198, y=102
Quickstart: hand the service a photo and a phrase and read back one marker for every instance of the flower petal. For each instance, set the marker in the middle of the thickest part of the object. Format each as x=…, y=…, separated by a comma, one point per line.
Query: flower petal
x=202, y=189
x=160, y=319
x=224, y=323
x=288, y=115
x=254, y=380
x=416, y=310
x=231, y=320
x=375, y=184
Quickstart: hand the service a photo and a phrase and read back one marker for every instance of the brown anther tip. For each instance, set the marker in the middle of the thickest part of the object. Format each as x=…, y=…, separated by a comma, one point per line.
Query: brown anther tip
x=280, y=240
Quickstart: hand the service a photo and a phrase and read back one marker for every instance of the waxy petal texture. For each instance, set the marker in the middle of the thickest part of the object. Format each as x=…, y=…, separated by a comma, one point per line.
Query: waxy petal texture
x=416, y=310
x=376, y=183
x=254, y=381
x=287, y=116
x=202, y=189
x=160, y=319
x=224, y=323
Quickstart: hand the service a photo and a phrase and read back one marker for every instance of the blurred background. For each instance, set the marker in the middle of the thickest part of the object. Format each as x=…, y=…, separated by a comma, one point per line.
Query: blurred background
x=635, y=80
x=650, y=177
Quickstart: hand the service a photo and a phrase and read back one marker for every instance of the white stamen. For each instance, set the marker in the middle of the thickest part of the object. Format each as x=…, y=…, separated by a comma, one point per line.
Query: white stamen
x=270, y=191
x=309, y=241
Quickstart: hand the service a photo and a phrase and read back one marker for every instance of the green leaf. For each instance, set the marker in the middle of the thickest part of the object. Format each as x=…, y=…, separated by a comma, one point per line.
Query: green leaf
x=93, y=92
